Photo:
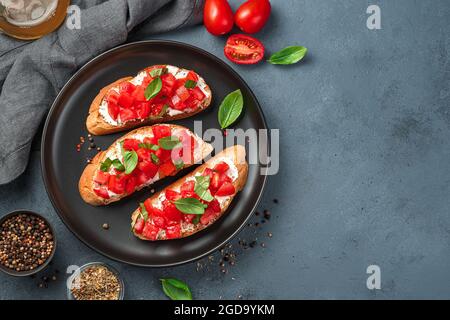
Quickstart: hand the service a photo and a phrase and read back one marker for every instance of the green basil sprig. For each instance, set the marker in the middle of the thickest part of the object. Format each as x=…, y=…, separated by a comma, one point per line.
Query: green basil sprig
x=149, y=146
x=176, y=289
x=190, y=84
x=230, y=109
x=153, y=88
x=201, y=188
x=158, y=72
x=190, y=206
x=130, y=161
x=288, y=55
x=169, y=143
x=105, y=165
x=155, y=158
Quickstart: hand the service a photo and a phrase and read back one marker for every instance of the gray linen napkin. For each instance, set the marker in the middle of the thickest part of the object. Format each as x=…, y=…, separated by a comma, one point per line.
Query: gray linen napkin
x=32, y=73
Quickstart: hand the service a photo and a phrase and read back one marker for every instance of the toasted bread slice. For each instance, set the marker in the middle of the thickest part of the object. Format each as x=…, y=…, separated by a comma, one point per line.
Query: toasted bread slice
x=99, y=122
x=89, y=187
x=235, y=157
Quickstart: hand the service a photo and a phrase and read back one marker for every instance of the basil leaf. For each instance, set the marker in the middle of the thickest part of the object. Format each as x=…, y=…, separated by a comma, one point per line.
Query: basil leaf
x=158, y=72
x=118, y=165
x=155, y=158
x=149, y=146
x=176, y=289
x=201, y=188
x=122, y=150
x=190, y=84
x=144, y=213
x=153, y=88
x=179, y=164
x=230, y=108
x=169, y=143
x=105, y=165
x=190, y=206
x=130, y=161
x=289, y=55
x=202, y=181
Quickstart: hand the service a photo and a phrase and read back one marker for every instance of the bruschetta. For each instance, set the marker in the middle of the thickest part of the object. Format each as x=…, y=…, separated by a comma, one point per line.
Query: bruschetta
x=195, y=201
x=157, y=94
x=138, y=159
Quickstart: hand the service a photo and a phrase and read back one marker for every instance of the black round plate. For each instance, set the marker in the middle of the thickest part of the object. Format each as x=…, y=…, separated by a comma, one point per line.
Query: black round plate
x=62, y=165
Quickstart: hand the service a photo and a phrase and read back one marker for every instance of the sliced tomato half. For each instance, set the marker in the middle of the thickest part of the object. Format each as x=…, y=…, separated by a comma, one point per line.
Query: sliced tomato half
x=242, y=49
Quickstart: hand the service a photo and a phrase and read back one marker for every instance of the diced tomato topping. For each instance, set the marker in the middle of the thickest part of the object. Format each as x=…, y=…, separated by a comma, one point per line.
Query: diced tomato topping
x=150, y=231
x=168, y=81
x=130, y=184
x=173, y=232
x=214, y=205
x=221, y=167
x=126, y=100
x=227, y=189
x=198, y=93
x=143, y=154
x=112, y=97
x=141, y=177
x=152, y=211
x=161, y=131
x=159, y=221
x=192, y=76
x=189, y=194
x=168, y=168
x=101, y=177
x=126, y=87
x=208, y=216
x=171, y=212
x=148, y=167
x=139, y=226
x=188, y=186
x=182, y=93
x=214, y=182
x=116, y=184
x=127, y=115
x=143, y=110
x=208, y=172
x=192, y=103
x=163, y=155
x=131, y=144
x=224, y=178
x=102, y=192
x=172, y=195
x=113, y=110
x=139, y=94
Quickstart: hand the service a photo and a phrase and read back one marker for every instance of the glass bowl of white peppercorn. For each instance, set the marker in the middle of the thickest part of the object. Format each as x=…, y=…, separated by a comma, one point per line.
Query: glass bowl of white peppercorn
x=27, y=243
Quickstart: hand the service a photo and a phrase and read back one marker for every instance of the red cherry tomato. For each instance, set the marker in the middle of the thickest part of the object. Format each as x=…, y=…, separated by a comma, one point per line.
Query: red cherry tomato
x=218, y=17
x=242, y=49
x=252, y=15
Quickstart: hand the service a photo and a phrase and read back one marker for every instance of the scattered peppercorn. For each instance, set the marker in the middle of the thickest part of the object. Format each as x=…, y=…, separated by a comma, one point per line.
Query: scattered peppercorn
x=26, y=242
x=267, y=214
x=275, y=201
x=105, y=226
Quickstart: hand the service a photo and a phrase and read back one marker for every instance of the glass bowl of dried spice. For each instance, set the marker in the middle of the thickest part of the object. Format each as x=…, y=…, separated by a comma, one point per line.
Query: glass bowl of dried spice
x=27, y=243
x=95, y=281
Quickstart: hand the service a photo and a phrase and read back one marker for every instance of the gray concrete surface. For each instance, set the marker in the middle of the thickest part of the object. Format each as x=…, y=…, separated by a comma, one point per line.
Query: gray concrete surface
x=365, y=170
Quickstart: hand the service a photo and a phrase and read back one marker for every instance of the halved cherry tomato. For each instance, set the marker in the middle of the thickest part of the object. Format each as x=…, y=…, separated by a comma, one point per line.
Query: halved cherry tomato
x=252, y=15
x=218, y=17
x=227, y=189
x=242, y=49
